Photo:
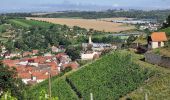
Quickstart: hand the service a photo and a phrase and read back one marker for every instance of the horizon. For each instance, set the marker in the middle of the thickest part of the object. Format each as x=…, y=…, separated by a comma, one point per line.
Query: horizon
x=12, y=6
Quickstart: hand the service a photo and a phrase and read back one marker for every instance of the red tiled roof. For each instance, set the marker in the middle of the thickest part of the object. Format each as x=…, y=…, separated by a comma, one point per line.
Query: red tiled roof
x=74, y=65
x=53, y=65
x=60, y=55
x=158, y=36
x=27, y=53
x=10, y=63
x=25, y=75
x=40, y=75
x=35, y=51
x=40, y=59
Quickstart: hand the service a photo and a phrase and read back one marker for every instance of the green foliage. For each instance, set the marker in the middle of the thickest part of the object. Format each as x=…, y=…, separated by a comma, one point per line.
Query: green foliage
x=8, y=82
x=29, y=23
x=110, y=77
x=131, y=39
x=107, y=39
x=7, y=96
x=73, y=52
x=166, y=30
x=44, y=96
x=157, y=51
x=60, y=89
x=167, y=23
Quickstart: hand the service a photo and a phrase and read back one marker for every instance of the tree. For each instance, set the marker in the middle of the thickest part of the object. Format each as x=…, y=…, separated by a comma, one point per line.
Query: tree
x=73, y=52
x=167, y=22
x=9, y=82
x=131, y=39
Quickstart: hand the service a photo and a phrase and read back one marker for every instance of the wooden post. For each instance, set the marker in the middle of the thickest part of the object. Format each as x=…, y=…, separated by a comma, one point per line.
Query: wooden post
x=49, y=85
x=146, y=96
x=91, y=96
x=5, y=96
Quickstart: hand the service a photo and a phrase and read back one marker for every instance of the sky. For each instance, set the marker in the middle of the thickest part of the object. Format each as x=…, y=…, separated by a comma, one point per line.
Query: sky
x=60, y=5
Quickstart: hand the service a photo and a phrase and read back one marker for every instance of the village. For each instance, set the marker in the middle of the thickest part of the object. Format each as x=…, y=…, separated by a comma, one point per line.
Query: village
x=34, y=68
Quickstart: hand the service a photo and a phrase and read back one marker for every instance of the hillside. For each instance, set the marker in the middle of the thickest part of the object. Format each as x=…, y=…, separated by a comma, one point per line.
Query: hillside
x=156, y=88
x=113, y=76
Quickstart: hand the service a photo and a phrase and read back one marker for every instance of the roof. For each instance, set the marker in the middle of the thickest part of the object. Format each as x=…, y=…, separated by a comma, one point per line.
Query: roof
x=24, y=75
x=159, y=36
x=35, y=51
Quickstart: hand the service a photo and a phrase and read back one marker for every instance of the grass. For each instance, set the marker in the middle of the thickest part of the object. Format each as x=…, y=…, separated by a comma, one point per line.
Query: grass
x=29, y=23
x=162, y=51
x=60, y=89
x=157, y=87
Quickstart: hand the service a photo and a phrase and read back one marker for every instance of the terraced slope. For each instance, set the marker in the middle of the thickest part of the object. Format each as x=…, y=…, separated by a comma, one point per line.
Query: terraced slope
x=156, y=88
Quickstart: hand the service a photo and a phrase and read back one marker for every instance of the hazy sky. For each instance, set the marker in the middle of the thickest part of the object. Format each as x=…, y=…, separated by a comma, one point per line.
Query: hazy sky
x=56, y=5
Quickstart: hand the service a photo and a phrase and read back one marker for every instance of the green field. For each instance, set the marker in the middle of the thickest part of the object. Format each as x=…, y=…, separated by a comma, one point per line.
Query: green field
x=29, y=23
x=108, y=78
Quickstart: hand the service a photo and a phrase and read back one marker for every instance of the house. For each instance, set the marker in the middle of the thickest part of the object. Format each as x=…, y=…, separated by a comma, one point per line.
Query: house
x=35, y=52
x=89, y=55
x=156, y=40
x=54, y=49
x=27, y=54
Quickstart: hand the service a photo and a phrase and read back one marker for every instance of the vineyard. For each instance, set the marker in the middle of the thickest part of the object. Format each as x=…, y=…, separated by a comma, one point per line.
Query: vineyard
x=29, y=23
x=108, y=78
x=60, y=89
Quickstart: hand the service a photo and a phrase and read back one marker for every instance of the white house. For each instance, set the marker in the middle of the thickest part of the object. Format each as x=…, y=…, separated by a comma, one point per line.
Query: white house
x=88, y=56
x=157, y=40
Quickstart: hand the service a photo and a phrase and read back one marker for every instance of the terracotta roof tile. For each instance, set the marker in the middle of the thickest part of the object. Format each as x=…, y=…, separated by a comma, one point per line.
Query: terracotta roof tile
x=159, y=36
x=24, y=75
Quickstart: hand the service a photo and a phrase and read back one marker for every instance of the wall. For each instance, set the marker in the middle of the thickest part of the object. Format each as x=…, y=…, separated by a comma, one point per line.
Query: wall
x=153, y=58
x=154, y=45
x=87, y=56
x=157, y=59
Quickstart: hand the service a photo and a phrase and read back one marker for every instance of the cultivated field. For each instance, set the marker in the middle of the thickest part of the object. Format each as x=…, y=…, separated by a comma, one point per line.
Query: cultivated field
x=88, y=24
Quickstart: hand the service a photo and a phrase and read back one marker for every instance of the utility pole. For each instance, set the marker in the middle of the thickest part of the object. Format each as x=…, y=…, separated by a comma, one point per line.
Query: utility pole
x=49, y=84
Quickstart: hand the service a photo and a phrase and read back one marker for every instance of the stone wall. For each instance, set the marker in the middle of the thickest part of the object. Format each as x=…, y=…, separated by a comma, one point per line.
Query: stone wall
x=157, y=59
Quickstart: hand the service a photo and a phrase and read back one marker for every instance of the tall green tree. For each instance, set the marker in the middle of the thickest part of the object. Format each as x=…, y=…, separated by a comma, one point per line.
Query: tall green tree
x=167, y=22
